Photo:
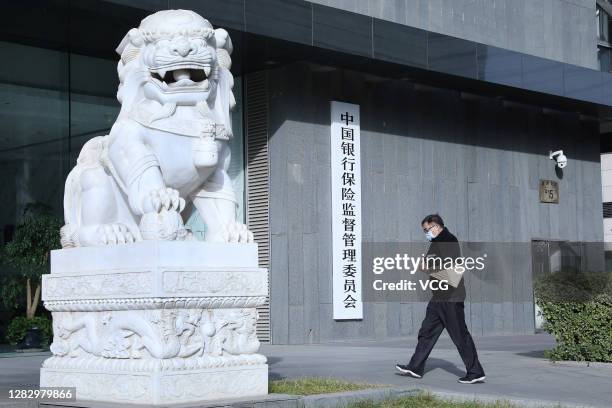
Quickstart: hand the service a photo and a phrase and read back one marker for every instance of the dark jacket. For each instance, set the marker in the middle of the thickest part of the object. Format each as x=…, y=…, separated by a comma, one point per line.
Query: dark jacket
x=446, y=245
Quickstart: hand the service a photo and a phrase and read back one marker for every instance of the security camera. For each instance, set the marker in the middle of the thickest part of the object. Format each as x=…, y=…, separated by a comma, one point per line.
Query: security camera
x=559, y=157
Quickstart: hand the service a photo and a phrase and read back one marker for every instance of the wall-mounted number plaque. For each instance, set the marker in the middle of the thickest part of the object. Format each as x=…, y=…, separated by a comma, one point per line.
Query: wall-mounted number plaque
x=549, y=191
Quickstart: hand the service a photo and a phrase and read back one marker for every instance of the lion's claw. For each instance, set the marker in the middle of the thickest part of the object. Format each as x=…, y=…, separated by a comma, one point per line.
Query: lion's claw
x=238, y=232
x=166, y=199
x=114, y=234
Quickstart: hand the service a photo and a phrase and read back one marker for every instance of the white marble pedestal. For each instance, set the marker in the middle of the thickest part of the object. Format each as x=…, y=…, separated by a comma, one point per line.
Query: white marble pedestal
x=156, y=322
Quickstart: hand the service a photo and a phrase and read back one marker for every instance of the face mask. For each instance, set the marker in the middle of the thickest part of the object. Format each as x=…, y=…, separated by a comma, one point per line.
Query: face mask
x=429, y=235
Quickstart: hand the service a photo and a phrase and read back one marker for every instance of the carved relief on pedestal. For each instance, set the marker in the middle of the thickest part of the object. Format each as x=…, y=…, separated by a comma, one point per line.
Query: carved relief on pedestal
x=186, y=387
x=142, y=284
x=213, y=282
x=208, y=302
x=110, y=284
x=155, y=334
x=131, y=387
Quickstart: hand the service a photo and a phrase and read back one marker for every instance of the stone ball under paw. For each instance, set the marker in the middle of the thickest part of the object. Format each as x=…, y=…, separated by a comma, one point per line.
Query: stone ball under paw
x=165, y=225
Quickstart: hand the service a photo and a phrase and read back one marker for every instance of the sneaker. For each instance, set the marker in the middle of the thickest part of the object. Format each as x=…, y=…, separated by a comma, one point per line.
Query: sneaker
x=405, y=370
x=472, y=379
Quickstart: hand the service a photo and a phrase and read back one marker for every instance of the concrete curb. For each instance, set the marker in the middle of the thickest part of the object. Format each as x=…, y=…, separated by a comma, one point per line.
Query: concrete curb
x=379, y=394
x=18, y=404
x=340, y=399
x=264, y=401
x=333, y=400
x=484, y=398
x=594, y=364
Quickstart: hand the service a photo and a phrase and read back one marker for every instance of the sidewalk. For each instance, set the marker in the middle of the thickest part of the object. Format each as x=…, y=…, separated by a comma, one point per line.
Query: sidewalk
x=514, y=366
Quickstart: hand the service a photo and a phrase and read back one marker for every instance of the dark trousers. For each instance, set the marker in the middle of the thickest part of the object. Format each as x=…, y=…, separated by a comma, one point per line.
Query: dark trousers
x=449, y=315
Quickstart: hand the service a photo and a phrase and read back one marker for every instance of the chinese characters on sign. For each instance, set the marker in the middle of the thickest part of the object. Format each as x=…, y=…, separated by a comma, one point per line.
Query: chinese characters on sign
x=549, y=191
x=346, y=211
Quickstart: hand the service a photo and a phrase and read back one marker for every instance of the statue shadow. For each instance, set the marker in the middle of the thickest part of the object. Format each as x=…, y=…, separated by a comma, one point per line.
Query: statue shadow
x=273, y=360
x=272, y=376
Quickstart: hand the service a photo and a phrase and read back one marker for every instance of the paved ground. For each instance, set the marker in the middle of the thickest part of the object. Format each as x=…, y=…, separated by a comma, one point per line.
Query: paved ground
x=514, y=366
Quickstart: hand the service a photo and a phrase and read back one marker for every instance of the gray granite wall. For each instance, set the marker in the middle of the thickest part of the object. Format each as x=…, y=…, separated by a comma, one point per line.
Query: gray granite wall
x=475, y=161
x=562, y=30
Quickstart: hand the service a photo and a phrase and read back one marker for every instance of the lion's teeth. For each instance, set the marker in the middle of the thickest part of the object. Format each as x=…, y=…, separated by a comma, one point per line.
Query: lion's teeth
x=162, y=73
x=207, y=70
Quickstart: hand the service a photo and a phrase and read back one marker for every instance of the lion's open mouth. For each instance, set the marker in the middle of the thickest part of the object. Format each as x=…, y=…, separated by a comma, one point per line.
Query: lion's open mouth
x=182, y=76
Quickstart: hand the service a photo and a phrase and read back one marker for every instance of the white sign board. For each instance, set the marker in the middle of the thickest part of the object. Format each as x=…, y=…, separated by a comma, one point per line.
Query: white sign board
x=346, y=211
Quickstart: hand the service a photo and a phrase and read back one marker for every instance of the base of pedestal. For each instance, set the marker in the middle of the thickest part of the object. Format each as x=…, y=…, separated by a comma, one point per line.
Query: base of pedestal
x=163, y=387
x=156, y=322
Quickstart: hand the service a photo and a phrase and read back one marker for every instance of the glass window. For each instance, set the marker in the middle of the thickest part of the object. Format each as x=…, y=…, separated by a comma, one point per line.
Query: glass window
x=93, y=103
x=47, y=117
x=236, y=169
x=603, y=56
x=34, y=111
x=603, y=25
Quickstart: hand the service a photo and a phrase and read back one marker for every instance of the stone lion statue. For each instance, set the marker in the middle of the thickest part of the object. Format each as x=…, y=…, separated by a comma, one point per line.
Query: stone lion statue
x=169, y=144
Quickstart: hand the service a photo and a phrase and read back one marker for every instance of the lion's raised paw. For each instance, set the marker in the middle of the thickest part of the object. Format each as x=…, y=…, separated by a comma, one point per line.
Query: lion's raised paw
x=168, y=199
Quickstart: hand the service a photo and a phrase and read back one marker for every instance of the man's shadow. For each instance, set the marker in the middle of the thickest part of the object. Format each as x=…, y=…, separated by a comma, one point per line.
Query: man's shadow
x=435, y=363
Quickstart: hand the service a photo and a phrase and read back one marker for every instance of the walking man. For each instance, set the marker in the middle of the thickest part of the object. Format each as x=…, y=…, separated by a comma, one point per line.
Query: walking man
x=444, y=310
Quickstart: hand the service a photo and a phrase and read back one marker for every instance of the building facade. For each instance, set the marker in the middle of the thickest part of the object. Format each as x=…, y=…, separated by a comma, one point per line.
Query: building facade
x=461, y=103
